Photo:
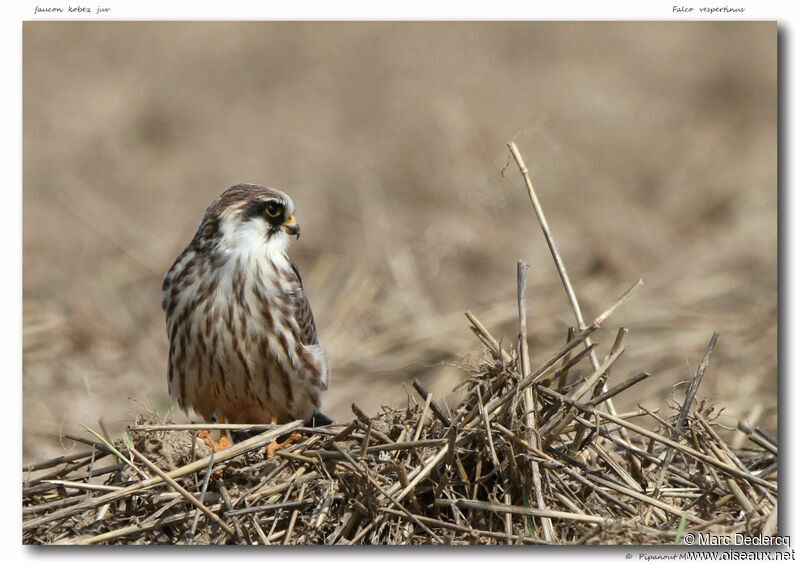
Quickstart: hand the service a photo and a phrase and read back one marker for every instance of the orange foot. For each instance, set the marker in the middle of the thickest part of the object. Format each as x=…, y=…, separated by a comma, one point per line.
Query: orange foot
x=224, y=441
x=274, y=446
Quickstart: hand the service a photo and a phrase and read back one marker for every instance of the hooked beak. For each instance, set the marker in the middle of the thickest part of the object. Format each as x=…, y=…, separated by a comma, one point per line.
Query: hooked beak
x=291, y=227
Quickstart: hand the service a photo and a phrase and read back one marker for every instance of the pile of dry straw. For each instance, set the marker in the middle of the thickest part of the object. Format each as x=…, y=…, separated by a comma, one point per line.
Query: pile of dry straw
x=530, y=455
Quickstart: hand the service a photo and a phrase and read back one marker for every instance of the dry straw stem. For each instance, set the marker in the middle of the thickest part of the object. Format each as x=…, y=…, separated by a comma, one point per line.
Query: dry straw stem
x=81, y=485
x=485, y=337
x=517, y=510
x=202, y=496
x=548, y=236
x=527, y=396
x=50, y=462
x=758, y=438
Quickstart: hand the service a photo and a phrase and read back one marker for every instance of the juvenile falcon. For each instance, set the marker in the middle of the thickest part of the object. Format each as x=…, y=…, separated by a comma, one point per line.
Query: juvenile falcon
x=243, y=345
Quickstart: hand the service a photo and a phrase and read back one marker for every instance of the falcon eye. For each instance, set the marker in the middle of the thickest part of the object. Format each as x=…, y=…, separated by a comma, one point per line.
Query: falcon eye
x=274, y=209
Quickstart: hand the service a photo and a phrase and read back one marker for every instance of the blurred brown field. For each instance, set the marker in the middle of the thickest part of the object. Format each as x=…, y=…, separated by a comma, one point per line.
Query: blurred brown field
x=653, y=147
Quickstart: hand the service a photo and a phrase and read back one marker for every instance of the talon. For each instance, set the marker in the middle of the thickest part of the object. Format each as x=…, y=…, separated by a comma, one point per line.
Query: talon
x=274, y=446
x=224, y=441
x=206, y=436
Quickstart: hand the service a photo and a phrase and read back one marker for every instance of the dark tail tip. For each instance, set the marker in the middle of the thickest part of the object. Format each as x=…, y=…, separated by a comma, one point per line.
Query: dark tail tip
x=318, y=419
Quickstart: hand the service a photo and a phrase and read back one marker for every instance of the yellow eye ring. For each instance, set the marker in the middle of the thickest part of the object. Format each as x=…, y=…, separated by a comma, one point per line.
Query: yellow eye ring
x=273, y=210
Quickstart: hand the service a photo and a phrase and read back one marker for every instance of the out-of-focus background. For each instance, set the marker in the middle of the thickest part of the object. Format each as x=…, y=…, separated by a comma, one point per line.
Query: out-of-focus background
x=653, y=147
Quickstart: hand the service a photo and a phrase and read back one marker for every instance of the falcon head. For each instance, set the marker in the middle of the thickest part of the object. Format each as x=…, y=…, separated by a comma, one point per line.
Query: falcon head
x=250, y=218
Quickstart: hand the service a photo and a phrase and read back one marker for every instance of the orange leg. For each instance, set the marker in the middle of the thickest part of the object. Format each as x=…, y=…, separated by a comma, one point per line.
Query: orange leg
x=274, y=446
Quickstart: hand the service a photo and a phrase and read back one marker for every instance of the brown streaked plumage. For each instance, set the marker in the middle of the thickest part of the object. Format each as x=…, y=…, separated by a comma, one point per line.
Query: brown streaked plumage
x=243, y=344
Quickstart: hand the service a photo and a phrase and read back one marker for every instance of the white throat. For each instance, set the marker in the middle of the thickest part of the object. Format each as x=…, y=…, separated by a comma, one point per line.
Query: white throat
x=250, y=241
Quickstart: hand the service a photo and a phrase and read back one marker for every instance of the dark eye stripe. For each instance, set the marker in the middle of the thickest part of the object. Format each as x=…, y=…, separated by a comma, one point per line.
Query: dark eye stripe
x=259, y=208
